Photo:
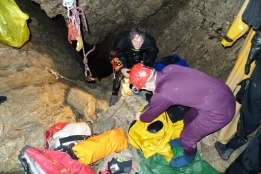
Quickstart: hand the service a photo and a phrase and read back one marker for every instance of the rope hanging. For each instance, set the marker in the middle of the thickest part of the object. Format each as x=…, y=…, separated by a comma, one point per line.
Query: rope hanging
x=74, y=33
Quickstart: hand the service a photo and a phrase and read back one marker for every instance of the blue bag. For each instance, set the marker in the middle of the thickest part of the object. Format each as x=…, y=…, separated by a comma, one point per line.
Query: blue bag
x=172, y=59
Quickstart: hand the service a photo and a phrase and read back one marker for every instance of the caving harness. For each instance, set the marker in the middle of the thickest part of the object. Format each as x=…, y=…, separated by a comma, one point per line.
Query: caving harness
x=115, y=62
x=74, y=33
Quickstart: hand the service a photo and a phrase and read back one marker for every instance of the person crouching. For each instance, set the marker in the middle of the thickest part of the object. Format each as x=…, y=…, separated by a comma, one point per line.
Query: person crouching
x=211, y=101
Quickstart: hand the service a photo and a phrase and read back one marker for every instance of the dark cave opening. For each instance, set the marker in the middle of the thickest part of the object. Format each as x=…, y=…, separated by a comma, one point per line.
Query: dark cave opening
x=98, y=60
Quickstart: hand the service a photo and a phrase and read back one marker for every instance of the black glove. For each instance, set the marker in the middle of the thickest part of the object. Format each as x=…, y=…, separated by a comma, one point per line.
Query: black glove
x=255, y=51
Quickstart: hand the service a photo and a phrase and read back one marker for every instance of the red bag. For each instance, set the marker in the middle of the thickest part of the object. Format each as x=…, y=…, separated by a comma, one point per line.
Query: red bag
x=45, y=161
x=62, y=135
x=50, y=132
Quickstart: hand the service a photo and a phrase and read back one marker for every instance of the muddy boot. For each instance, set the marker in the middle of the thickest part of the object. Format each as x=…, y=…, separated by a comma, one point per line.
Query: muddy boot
x=223, y=151
x=113, y=100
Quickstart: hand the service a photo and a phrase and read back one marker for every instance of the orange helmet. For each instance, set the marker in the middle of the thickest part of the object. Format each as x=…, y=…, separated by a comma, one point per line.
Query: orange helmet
x=139, y=75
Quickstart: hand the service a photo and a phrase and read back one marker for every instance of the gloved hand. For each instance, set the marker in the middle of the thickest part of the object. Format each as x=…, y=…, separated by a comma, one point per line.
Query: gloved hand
x=125, y=72
x=254, y=52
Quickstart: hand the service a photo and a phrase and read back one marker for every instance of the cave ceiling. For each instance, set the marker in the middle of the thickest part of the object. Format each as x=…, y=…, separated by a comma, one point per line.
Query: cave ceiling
x=104, y=16
x=191, y=28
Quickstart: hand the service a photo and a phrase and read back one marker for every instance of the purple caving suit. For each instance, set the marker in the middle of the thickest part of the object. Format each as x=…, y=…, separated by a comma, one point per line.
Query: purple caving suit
x=212, y=102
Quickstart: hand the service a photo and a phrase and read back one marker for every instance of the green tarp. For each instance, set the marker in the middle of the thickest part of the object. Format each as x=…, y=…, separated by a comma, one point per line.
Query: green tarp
x=157, y=164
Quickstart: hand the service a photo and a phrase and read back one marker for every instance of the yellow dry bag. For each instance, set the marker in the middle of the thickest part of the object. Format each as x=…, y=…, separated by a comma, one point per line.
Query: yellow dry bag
x=149, y=140
x=13, y=26
x=100, y=146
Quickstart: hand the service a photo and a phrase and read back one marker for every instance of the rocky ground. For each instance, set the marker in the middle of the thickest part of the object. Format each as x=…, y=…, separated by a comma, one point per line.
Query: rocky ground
x=37, y=98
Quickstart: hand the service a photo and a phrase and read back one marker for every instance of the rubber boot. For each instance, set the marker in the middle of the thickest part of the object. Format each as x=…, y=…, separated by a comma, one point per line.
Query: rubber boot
x=225, y=150
x=181, y=161
x=176, y=143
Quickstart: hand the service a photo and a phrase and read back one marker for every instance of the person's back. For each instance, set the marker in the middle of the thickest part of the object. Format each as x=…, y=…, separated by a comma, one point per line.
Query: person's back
x=201, y=89
x=177, y=85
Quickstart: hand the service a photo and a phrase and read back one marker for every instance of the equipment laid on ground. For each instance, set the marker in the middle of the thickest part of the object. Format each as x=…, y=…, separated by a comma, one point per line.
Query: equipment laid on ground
x=44, y=161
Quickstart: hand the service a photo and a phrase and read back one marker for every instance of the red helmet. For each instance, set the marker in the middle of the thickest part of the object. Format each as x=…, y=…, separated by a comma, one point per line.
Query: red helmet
x=139, y=75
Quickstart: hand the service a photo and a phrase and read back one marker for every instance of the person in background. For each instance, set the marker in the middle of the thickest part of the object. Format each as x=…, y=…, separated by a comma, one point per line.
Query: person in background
x=249, y=161
x=212, y=103
x=130, y=47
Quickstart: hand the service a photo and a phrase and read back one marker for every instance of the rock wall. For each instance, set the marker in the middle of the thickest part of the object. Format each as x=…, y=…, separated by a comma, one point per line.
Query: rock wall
x=105, y=16
x=194, y=31
x=38, y=98
x=38, y=80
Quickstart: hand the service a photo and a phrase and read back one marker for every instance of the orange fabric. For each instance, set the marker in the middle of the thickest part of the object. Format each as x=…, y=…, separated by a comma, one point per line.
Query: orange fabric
x=72, y=32
x=100, y=146
x=116, y=65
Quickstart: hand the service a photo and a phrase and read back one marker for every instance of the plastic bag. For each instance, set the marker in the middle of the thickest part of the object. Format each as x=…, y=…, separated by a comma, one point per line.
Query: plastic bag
x=157, y=164
x=36, y=160
x=151, y=143
x=13, y=26
x=172, y=59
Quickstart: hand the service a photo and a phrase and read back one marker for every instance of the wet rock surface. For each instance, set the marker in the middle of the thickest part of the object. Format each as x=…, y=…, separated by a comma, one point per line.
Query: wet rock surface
x=44, y=84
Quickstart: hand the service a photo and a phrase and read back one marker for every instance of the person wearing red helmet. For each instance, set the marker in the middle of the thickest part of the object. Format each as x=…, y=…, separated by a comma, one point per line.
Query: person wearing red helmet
x=211, y=101
x=139, y=76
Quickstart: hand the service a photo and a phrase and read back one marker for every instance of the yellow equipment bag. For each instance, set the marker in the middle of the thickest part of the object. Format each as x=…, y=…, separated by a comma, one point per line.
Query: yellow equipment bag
x=13, y=26
x=237, y=29
x=151, y=143
x=100, y=146
x=237, y=75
